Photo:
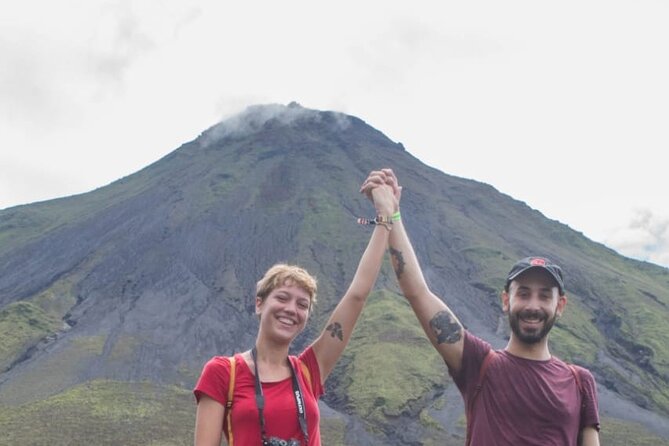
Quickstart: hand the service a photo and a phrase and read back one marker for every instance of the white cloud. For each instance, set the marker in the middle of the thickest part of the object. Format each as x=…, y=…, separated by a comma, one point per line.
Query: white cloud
x=645, y=238
x=60, y=58
x=255, y=117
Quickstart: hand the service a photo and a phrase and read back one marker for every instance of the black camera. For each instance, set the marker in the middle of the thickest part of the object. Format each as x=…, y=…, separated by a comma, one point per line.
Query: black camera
x=274, y=441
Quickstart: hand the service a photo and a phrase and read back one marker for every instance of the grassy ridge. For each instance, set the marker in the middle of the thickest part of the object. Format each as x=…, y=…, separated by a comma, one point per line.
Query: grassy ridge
x=390, y=362
x=574, y=338
x=103, y=413
x=22, y=324
x=623, y=433
x=57, y=373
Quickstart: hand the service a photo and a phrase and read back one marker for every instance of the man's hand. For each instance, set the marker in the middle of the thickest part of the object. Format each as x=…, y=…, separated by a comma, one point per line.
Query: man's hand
x=391, y=180
x=381, y=177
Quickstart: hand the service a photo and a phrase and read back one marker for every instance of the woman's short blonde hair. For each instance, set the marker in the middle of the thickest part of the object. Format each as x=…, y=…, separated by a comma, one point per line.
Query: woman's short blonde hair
x=281, y=273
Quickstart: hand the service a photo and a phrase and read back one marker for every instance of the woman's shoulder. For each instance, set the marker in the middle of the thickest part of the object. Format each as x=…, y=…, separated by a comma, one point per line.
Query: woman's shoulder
x=307, y=358
x=218, y=362
x=221, y=365
x=214, y=379
x=309, y=369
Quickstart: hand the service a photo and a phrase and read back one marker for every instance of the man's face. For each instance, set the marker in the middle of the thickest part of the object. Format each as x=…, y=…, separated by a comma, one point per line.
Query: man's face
x=533, y=304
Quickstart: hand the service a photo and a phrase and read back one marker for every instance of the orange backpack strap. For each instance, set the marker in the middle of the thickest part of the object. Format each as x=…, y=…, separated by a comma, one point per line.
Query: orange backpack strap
x=479, y=385
x=307, y=375
x=228, y=404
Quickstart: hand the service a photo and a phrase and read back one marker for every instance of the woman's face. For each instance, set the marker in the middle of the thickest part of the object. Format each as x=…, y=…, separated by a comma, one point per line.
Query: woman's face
x=284, y=312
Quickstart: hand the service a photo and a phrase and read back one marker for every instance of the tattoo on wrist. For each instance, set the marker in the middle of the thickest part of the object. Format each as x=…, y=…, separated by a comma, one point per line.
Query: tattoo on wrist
x=335, y=330
x=398, y=264
x=446, y=328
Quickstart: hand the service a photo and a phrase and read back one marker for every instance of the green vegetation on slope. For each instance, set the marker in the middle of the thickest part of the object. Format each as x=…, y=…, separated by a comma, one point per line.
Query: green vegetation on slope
x=22, y=324
x=103, y=413
x=574, y=338
x=390, y=363
x=623, y=433
x=56, y=373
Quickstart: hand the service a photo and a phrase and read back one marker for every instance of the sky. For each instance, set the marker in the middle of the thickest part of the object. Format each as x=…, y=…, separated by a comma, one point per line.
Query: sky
x=563, y=105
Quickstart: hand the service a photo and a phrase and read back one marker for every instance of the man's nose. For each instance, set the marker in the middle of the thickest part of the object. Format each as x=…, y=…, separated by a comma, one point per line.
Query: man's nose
x=534, y=303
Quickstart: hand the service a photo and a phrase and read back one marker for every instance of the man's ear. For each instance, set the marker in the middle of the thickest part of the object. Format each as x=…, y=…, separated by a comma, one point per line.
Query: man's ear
x=562, y=302
x=505, y=302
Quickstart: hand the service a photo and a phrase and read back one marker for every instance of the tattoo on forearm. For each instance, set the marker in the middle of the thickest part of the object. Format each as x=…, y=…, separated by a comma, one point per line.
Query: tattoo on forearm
x=399, y=261
x=335, y=330
x=446, y=328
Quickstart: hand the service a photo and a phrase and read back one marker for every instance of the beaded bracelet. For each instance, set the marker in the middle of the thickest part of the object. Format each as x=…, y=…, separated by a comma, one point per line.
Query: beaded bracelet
x=386, y=222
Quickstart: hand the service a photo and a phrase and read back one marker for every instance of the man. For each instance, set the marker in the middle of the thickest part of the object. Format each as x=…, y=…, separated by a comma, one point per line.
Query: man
x=517, y=396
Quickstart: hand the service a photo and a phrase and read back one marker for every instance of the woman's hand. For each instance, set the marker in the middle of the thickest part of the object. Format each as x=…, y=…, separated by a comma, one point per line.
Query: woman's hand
x=379, y=178
x=384, y=201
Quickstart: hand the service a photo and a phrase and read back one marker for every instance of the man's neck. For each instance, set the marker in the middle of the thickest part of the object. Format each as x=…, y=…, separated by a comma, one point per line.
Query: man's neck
x=536, y=352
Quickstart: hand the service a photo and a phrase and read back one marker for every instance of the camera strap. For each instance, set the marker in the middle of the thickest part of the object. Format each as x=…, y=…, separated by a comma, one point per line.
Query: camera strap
x=297, y=393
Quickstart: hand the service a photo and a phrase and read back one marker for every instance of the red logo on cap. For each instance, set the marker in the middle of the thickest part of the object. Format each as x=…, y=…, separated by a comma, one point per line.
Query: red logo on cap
x=538, y=262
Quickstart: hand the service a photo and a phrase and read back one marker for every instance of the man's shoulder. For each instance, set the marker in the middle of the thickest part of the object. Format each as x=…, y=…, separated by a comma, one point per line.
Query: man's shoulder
x=583, y=374
x=581, y=370
x=584, y=377
x=474, y=342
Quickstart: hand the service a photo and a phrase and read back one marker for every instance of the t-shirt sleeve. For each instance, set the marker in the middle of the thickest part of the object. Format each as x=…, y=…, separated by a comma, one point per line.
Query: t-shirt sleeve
x=308, y=357
x=214, y=380
x=474, y=350
x=590, y=412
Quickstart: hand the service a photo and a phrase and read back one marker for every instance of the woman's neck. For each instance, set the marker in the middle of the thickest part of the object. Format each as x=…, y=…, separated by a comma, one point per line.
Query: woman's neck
x=271, y=355
x=272, y=360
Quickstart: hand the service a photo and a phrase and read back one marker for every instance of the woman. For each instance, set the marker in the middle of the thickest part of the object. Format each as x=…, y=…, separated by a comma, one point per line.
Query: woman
x=280, y=407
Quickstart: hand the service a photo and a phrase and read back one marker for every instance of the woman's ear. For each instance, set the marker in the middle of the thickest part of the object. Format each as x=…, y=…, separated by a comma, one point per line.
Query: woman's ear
x=259, y=302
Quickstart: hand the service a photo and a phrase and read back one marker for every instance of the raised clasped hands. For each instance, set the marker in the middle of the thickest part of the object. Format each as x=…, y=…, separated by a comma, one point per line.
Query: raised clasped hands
x=382, y=189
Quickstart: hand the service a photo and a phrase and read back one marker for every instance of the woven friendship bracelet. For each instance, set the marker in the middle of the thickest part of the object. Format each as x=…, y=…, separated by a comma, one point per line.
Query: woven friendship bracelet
x=386, y=222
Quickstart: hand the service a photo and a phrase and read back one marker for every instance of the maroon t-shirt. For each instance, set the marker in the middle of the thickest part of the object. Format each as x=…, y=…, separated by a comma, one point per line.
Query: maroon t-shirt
x=280, y=410
x=525, y=402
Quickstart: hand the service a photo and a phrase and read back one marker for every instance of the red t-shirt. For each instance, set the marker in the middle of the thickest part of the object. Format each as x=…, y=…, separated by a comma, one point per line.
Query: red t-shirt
x=525, y=402
x=280, y=410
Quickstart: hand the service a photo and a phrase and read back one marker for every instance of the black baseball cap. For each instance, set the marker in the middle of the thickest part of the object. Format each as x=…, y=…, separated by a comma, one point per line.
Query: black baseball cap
x=536, y=262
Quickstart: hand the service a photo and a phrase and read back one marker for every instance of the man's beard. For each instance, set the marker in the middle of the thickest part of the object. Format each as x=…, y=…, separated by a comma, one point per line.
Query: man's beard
x=535, y=336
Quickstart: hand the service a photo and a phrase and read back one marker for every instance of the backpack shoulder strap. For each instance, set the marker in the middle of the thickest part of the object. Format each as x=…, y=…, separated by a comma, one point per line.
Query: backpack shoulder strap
x=306, y=373
x=577, y=378
x=479, y=385
x=228, y=404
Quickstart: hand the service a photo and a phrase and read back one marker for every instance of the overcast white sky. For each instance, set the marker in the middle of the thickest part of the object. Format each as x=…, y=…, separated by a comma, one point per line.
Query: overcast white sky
x=564, y=105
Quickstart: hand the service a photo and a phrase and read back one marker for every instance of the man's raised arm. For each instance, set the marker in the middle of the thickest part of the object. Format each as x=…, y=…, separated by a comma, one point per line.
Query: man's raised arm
x=440, y=324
